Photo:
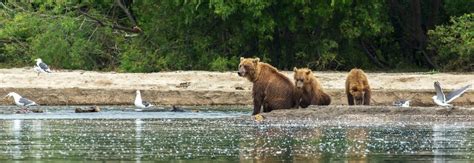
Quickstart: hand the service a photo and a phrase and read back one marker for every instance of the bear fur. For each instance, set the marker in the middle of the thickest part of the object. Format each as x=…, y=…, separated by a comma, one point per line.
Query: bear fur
x=309, y=88
x=357, y=88
x=271, y=89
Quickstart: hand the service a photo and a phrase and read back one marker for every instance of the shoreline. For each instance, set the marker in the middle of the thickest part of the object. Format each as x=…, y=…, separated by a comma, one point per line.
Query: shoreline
x=313, y=115
x=373, y=115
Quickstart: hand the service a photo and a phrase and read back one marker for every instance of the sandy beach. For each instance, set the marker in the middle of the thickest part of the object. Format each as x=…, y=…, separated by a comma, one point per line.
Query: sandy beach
x=67, y=87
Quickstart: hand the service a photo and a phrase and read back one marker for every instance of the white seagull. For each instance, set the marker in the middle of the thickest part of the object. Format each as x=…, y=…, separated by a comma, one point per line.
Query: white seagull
x=402, y=103
x=139, y=103
x=442, y=100
x=41, y=67
x=20, y=101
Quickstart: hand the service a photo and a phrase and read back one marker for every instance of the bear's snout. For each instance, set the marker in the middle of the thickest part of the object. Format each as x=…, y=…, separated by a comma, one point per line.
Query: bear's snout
x=241, y=71
x=299, y=84
x=359, y=100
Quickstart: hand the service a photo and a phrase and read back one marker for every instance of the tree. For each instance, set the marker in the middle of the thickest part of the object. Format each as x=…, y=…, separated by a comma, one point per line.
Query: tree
x=454, y=43
x=148, y=36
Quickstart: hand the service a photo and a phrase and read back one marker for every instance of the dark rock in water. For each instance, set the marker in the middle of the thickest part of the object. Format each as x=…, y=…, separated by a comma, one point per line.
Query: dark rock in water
x=23, y=111
x=151, y=110
x=26, y=110
x=88, y=110
x=37, y=110
x=177, y=109
x=78, y=110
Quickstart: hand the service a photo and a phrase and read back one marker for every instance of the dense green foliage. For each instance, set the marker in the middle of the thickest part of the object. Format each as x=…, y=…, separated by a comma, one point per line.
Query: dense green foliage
x=148, y=36
x=455, y=43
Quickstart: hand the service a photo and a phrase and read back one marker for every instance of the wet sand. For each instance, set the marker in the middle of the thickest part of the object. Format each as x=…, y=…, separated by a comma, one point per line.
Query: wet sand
x=373, y=115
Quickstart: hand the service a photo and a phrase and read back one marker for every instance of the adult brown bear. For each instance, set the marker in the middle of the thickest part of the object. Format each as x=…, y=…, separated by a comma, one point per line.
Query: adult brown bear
x=309, y=88
x=357, y=88
x=271, y=89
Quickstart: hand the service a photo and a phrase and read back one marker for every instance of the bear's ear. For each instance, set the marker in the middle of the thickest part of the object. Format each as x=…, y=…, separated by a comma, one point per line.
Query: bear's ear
x=295, y=69
x=308, y=72
x=256, y=60
x=241, y=59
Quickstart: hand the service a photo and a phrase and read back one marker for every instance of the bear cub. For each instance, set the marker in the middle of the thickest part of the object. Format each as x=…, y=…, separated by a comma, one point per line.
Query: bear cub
x=309, y=89
x=357, y=88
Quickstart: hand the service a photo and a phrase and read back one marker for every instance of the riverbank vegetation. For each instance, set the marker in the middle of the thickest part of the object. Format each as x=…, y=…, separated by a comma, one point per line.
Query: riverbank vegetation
x=151, y=36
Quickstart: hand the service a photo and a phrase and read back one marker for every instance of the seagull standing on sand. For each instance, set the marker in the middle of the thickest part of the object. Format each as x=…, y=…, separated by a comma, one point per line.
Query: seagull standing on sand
x=402, y=103
x=41, y=67
x=20, y=101
x=140, y=103
x=442, y=100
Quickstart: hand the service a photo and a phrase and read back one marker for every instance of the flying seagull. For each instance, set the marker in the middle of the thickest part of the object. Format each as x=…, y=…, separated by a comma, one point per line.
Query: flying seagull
x=20, y=101
x=41, y=67
x=140, y=103
x=443, y=100
x=402, y=103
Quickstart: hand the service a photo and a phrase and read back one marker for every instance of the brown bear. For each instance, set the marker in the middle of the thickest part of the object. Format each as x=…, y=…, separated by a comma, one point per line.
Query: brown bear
x=271, y=89
x=309, y=88
x=357, y=88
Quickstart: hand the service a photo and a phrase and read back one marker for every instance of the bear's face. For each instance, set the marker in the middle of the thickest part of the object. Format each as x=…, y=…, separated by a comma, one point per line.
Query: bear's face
x=358, y=94
x=248, y=67
x=302, y=76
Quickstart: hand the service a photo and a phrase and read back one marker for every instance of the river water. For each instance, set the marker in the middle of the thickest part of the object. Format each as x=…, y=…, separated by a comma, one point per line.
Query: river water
x=61, y=135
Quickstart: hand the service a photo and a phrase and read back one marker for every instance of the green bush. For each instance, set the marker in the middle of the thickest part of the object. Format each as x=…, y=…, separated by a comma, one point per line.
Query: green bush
x=454, y=44
x=223, y=64
x=62, y=42
x=17, y=30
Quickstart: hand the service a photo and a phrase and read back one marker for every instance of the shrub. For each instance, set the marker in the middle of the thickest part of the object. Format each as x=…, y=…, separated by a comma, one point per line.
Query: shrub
x=454, y=44
x=224, y=64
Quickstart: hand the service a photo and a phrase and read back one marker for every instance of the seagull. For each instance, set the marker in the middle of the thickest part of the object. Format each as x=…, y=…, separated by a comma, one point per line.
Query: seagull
x=402, y=103
x=41, y=67
x=443, y=100
x=20, y=101
x=139, y=103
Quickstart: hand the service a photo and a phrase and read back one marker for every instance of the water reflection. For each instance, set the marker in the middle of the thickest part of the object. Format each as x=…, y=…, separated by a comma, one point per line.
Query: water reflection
x=16, y=142
x=138, y=139
x=357, y=144
x=37, y=138
x=451, y=140
x=229, y=139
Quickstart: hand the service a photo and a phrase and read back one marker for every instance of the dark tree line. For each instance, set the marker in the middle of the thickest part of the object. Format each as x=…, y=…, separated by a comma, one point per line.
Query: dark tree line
x=147, y=36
